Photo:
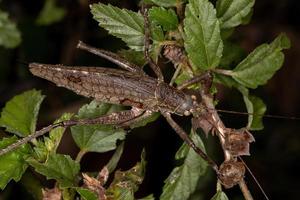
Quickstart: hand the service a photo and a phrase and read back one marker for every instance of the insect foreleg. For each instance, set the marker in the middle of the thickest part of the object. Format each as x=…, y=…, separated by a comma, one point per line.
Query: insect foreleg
x=189, y=141
x=114, y=58
x=152, y=64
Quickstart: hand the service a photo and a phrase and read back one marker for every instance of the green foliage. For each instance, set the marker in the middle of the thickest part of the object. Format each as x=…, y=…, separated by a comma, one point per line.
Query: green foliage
x=163, y=3
x=126, y=183
x=10, y=36
x=49, y=144
x=255, y=106
x=19, y=115
x=124, y=24
x=50, y=13
x=96, y=138
x=220, y=195
x=232, y=13
x=86, y=194
x=182, y=181
x=167, y=19
x=13, y=164
x=204, y=32
x=59, y=167
x=202, y=39
x=261, y=64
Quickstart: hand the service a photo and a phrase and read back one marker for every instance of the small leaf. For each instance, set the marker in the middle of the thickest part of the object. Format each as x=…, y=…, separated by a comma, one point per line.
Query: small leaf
x=96, y=138
x=59, y=167
x=163, y=17
x=124, y=24
x=12, y=164
x=19, y=115
x=249, y=106
x=50, y=13
x=259, y=109
x=86, y=194
x=126, y=183
x=202, y=39
x=163, y=3
x=261, y=64
x=255, y=107
x=10, y=36
x=232, y=13
x=47, y=145
x=220, y=195
x=183, y=180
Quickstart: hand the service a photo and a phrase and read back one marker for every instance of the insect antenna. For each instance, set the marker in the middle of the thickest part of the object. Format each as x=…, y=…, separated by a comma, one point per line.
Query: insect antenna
x=254, y=178
x=263, y=115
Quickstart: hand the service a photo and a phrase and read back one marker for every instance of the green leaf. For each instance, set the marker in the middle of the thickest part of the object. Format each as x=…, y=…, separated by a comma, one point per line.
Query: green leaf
x=232, y=55
x=163, y=3
x=182, y=181
x=145, y=121
x=12, y=164
x=202, y=39
x=49, y=144
x=249, y=106
x=232, y=13
x=59, y=167
x=124, y=24
x=50, y=13
x=261, y=64
x=86, y=194
x=10, y=36
x=259, y=109
x=19, y=115
x=136, y=57
x=96, y=138
x=113, y=162
x=163, y=17
x=126, y=183
x=220, y=195
x=255, y=107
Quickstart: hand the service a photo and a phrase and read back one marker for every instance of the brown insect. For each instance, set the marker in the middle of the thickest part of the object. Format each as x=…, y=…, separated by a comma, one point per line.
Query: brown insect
x=146, y=95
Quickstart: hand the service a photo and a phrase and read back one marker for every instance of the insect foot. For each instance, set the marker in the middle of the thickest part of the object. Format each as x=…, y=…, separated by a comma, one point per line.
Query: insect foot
x=231, y=173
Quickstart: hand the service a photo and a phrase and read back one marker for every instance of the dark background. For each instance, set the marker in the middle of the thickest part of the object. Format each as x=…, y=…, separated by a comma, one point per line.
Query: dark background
x=274, y=156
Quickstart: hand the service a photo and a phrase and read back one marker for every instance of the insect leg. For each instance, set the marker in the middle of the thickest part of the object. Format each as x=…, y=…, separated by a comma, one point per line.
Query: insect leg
x=205, y=79
x=29, y=138
x=151, y=62
x=143, y=116
x=189, y=141
x=113, y=57
x=113, y=118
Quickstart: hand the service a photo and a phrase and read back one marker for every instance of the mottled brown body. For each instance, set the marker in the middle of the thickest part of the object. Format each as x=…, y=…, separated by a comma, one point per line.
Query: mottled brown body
x=117, y=87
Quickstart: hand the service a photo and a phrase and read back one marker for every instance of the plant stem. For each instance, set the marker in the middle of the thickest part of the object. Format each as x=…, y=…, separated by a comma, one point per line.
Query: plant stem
x=246, y=193
x=80, y=155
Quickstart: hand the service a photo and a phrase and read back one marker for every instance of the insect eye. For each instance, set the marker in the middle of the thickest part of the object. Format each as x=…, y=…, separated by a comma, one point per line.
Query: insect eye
x=187, y=113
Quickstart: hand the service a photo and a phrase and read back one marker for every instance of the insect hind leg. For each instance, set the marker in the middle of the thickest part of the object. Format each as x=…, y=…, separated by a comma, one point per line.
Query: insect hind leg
x=112, y=57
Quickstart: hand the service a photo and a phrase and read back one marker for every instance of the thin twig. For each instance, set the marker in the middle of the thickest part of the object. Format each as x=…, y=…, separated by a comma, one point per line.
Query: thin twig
x=245, y=190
